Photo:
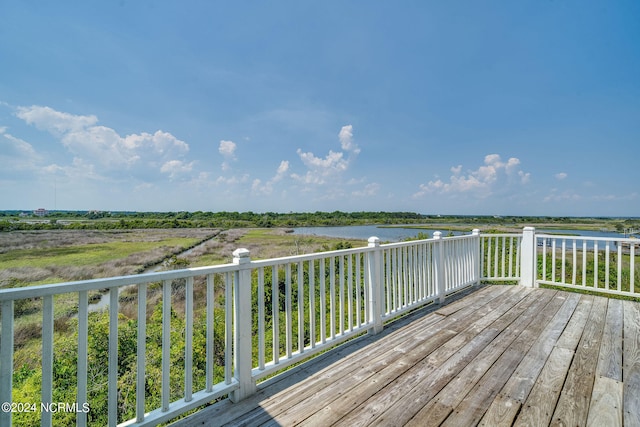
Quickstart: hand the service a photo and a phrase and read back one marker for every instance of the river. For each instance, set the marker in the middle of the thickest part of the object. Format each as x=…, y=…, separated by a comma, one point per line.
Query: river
x=398, y=233
x=386, y=234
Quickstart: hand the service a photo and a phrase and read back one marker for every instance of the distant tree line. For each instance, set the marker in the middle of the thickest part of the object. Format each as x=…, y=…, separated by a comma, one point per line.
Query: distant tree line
x=135, y=220
x=12, y=220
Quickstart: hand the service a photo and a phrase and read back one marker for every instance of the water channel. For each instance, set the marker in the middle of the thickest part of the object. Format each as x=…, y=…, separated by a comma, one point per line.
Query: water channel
x=399, y=233
x=103, y=302
x=386, y=234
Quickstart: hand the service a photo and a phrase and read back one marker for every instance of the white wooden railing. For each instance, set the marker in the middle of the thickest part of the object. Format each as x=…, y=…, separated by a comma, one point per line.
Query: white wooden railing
x=277, y=312
x=501, y=255
x=598, y=264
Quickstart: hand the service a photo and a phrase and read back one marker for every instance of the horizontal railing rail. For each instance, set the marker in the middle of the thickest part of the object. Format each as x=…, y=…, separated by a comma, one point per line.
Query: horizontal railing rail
x=326, y=298
x=173, y=288
x=168, y=342
x=233, y=324
x=305, y=304
x=598, y=264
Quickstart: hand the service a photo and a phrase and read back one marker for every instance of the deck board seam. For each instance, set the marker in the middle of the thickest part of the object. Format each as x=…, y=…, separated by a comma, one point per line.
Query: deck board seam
x=499, y=356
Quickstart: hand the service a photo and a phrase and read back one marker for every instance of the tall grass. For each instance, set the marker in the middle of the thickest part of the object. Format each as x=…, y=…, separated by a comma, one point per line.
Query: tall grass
x=28, y=326
x=29, y=258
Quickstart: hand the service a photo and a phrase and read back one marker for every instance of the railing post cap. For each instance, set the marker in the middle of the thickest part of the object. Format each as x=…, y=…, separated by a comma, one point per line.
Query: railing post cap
x=529, y=229
x=475, y=231
x=374, y=241
x=241, y=256
x=437, y=235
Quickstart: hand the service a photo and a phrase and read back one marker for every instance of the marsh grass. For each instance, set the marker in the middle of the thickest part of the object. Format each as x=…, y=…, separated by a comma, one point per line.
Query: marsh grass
x=35, y=259
x=92, y=254
x=44, y=257
x=263, y=243
x=30, y=257
x=268, y=243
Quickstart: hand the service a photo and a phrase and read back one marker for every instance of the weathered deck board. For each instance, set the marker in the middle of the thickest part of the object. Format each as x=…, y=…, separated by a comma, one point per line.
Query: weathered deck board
x=507, y=404
x=346, y=403
x=573, y=406
x=606, y=403
x=390, y=403
x=610, y=359
x=631, y=367
x=511, y=325
x=472, y=408
x=502, y=355
x=538, y=409
x=384, y=365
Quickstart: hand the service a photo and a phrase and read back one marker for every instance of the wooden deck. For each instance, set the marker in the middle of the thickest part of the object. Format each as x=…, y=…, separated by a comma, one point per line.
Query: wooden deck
x=502, y=355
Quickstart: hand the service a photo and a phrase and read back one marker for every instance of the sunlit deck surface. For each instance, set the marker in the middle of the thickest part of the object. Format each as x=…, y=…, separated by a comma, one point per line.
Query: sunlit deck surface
x=500, y=355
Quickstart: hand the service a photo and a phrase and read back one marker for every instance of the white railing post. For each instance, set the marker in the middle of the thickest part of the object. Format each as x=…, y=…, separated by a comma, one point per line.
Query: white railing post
x=242, y=318
x=376, y=292
x=438, y=265
x=6, y=360
x=477, y=241
x=528, y=258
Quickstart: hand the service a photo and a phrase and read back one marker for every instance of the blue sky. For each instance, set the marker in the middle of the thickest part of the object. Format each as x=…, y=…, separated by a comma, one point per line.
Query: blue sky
x=438, y=107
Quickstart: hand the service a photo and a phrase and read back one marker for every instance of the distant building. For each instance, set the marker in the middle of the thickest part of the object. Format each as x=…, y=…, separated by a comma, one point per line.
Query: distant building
x=41, y=212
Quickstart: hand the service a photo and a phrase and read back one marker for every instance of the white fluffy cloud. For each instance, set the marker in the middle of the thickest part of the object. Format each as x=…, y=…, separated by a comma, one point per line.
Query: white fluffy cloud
x=17, y=155
x=102, y=147
x=17, y=144
x=346, y=139
x=327, y=178
x=321, y=170
x=282, y=170
x=228, y=150
x=78, y=170
x=481, y=182
x=82, y=150
x=56, y=122
x=560, y=176
x=232, y=180
x=257, y=187
x=369, y=190
x=174, y=168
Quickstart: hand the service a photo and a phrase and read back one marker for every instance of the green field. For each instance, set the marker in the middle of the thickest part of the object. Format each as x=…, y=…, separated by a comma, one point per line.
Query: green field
x=82, y=255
